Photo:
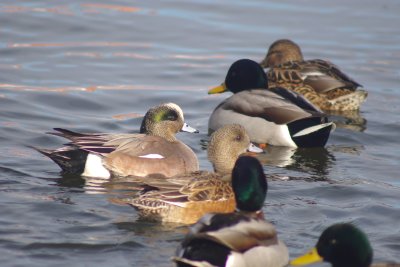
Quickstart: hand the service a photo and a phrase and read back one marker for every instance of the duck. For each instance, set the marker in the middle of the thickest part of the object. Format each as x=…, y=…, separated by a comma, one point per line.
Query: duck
x=320, y=81
x=274, y=116
x=342, y=245
x=239, y=238
x=155, y=150
x=185, y=198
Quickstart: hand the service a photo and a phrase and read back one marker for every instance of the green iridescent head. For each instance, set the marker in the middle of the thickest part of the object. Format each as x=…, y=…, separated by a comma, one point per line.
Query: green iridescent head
x=165, y=120
x=249, y=184
x=342, y=245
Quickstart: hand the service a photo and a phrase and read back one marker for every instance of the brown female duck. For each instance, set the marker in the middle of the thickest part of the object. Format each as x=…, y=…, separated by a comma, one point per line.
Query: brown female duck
x=320, y=81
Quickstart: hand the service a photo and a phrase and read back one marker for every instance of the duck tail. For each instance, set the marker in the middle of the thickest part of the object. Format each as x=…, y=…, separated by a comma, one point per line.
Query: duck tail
x=185, y=262
x=70, y=135
x=70, y=159
x=311, y=132
x=348, y=102
x=315, y=128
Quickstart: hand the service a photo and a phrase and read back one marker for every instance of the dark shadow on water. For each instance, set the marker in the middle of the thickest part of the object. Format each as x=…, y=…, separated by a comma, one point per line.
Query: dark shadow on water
x=71, y=181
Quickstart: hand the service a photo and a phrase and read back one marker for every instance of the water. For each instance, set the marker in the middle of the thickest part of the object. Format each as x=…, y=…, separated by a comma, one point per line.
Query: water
x=98, y=66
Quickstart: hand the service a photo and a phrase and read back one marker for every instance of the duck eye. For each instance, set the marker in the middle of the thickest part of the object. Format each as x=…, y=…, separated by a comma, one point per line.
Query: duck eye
x=170, y=116
x=238, y=138
x=333, y=241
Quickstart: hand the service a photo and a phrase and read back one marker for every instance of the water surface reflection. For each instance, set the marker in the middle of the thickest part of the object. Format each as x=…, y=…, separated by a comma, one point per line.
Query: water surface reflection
x=315, y=163
x=351, y=120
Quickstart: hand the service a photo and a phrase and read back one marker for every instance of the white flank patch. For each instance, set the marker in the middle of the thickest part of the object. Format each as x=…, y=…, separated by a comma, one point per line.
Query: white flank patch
x=94, y=167
x=235, y=259
x=271, y=255
x=152, y=156
x=312, y=129
x=282, y=137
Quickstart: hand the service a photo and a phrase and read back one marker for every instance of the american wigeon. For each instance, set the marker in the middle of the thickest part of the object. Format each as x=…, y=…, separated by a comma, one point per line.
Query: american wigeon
x=320, y=81
x=241, y=238
x=184, y=199
x=154, y=151
x=342, y=245
x=276, y=116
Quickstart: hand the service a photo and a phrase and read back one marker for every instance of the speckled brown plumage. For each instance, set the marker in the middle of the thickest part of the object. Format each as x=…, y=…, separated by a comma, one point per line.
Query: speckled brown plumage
x=320, y=81
x=186, y=204
x=185, y=198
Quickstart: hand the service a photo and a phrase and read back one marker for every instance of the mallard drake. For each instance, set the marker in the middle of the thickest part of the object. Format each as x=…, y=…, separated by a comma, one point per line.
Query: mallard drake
x=154, y=151
x=276, y=116
x=342, y=245
x=185, y=198
x=241, y=238
x=320, y=81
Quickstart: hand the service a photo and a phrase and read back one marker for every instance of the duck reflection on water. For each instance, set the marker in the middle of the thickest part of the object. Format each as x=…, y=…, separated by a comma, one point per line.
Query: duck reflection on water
x=314, y=161
x=351, y=120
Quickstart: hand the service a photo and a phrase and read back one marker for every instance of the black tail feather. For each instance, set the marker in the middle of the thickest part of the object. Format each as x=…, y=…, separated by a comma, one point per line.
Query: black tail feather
x=70, y=160
x=66, y=133
x=315, y=139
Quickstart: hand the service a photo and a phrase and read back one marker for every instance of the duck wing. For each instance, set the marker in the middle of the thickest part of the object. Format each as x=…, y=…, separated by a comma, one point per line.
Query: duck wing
x=272, y=105
x=180, y=190
x=234, y=230
x=323, y=76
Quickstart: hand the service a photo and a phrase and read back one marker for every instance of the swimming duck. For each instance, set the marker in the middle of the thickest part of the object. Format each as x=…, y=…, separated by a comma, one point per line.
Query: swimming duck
x=185, y=198
x=276, y=116
x=342, y=245
x=154, y=151
x=241, y=238
x=320, y=81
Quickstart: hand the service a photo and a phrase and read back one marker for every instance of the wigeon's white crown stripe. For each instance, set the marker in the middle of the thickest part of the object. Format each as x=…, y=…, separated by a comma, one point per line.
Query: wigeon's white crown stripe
x=177, y=108
x=152, y=156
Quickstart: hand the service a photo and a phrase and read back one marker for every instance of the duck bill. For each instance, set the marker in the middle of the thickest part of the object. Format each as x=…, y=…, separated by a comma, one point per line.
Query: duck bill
x=311, y=257
x=219, y=89
x=253, y=148
x=187, y=128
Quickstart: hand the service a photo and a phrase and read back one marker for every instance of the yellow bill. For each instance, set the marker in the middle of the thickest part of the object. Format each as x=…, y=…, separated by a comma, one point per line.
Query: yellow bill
x=217, y=90
x=311, y=257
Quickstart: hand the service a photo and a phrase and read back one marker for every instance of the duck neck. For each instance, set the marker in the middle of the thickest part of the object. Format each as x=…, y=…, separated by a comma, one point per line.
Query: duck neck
x=223, y=166
x=259, y=214
x=167, y=136
x=163, y=131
